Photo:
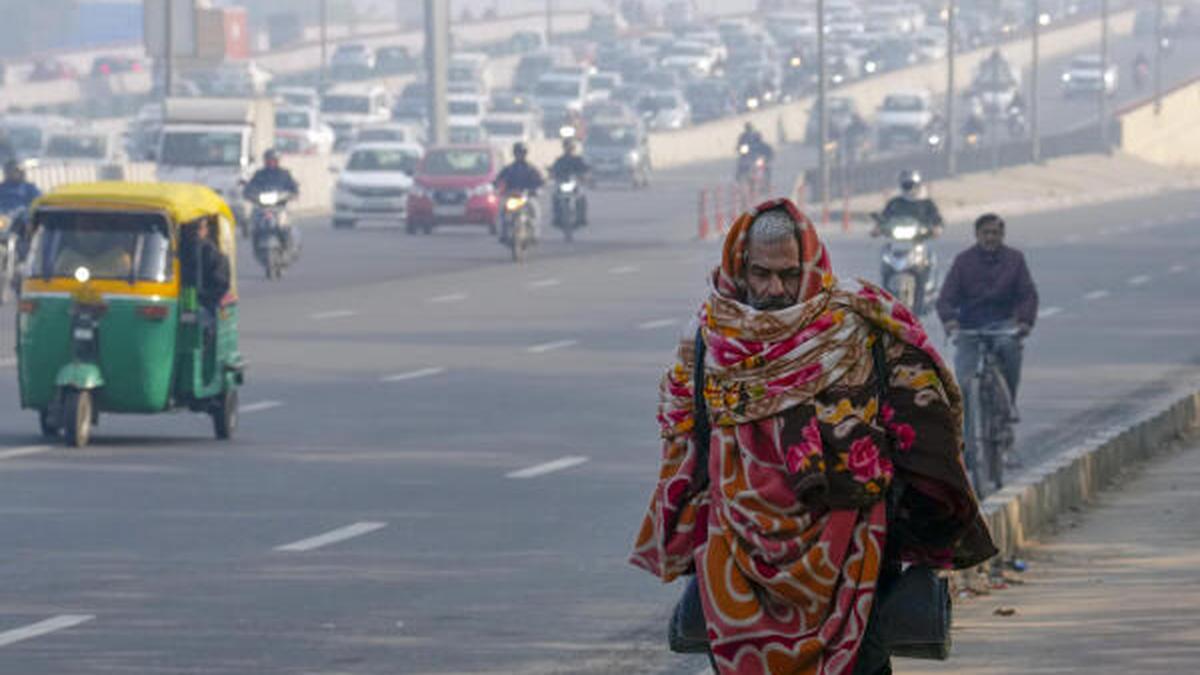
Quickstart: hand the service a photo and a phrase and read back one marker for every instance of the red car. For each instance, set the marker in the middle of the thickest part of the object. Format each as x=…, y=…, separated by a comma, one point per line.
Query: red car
x=453, y=186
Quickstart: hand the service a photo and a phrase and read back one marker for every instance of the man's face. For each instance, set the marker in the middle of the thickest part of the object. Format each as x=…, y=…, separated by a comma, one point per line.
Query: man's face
x=202, y=231
x=773, y=274
x=990, y=237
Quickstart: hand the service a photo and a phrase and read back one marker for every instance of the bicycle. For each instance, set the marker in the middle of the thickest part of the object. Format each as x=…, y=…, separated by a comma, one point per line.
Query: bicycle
x=989, y=408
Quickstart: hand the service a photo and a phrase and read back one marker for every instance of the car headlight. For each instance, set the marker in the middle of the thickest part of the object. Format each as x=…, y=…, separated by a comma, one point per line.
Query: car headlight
x=1066, y=77
x=480, y=190
x=904, y=232
x=419, y=191
x=871, y=67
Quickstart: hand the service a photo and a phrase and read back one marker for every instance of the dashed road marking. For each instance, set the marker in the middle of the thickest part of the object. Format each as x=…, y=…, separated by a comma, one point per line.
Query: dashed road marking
x=332, y=314
x=547, y=467
x=1124, y=229
x=551, y=346
x=623, y=269
x=1139, y=280
x=544, y=283
x=1049, y=312
x=1096, y=295
x=449, y=297
x=659, y=323
x=259, y=406
x=1177, y=269
x=413, y=375
x=332, y=537
x=25, y=451
x=51, y=625
x=1072, y=239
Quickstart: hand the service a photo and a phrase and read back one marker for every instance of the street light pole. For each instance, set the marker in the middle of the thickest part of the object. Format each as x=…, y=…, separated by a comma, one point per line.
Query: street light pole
x=1103, y=95
x=549, y=21
x=1035, y=121
x=324, y=16
x=169, y=48
x=1158, y=56
x=437, y=55
x=822, y=110
x=950, y=131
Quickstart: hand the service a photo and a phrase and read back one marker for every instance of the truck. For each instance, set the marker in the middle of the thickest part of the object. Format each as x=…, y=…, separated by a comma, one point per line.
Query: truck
x=215, y=142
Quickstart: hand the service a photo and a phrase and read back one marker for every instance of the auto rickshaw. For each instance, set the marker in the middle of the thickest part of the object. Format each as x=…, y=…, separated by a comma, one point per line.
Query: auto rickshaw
x=107, y=321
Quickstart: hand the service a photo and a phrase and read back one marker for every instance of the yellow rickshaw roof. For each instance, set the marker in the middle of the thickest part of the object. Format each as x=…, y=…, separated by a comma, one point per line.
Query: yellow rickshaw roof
x=183, y=202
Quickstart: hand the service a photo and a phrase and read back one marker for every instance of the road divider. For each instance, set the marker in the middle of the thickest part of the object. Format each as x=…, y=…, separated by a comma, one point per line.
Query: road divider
x=547, y=467
x=16, y=453
x=332, y=537
x=51, y=625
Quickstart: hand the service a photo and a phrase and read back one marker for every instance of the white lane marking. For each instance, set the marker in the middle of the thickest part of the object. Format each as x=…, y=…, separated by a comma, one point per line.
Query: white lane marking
x=332, y=537
x=1104, y=231
x=623, y=269
x=449, y=297
x=547, y=467
x=544, y=283
x=1178, y=269
x=259, y=406
x=413, y=375
x=1139, y=280
x=24, y=451
x=1049, y=312
x=1072, y=239
x=51, y=625
x=1124, y=229
x=660, y=323
x=551, y=346
x=332, y=314
x=1096, y=295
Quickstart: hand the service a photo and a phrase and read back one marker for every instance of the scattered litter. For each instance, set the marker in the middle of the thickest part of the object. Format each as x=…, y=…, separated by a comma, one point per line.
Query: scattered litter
x=1018, y=565
x=1005, y=611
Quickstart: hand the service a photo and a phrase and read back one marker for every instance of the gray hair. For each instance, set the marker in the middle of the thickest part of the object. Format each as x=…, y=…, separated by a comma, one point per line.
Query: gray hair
x=772, y=227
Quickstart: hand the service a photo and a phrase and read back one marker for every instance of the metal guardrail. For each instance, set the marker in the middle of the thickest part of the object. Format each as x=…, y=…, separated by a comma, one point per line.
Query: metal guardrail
x=874, y=176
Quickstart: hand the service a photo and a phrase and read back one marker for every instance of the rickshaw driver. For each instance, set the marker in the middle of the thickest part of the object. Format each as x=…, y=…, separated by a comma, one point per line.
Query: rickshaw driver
x=101, y=254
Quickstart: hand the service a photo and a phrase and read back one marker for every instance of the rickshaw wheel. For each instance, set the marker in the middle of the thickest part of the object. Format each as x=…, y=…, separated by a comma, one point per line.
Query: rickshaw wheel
x=225, y=415
x=49, y=428
x=77, y=417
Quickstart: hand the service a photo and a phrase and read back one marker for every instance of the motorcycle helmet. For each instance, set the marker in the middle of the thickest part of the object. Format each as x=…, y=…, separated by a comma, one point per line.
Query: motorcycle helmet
x=910, y=182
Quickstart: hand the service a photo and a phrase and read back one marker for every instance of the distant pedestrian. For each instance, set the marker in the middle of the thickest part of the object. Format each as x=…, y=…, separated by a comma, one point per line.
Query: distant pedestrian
x=786, y=524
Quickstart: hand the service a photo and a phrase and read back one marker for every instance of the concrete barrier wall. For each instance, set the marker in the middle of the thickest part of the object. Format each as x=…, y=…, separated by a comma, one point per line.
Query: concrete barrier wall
x=1169, y=136
x=717, y=140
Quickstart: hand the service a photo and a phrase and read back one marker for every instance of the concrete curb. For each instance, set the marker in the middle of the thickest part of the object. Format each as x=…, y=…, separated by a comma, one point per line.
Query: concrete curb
x=1023, y=510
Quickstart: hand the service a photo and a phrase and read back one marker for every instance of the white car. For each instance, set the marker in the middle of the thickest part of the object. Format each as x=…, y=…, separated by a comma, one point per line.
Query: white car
x=300, y=131
x=81, y=147
x=351, y=61
x=466, y=110
x=348, y=107
x=904, y=118
x=561, y=91
x=505, y=130
x=701, y=57
x=375, y=183
x=665, y=110
x=1088, y=74
x=466, y=134
x=391, y=132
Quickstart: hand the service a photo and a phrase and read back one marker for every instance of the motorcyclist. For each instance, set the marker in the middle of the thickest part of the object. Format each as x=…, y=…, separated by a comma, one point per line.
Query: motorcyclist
x=911, y=202
x=16, y=194
x=273, y=177
x=570, y=166
x=521, y=176
x=752, y=140
x=1141, y=69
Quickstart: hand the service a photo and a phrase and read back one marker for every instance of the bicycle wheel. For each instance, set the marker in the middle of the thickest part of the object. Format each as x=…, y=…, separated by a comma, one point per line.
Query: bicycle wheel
x=1001, y=431
x=974, y=436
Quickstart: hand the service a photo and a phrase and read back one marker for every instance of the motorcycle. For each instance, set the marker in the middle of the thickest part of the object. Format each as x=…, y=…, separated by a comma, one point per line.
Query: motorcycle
x=909, y=266
x=11, y=251
x=1017, y=124
x=753, y=173
x=517, y=227
x=567, y=196
x=276, y=244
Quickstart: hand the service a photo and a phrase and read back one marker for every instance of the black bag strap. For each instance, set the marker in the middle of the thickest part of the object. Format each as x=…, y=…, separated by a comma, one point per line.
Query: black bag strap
x=702, y=426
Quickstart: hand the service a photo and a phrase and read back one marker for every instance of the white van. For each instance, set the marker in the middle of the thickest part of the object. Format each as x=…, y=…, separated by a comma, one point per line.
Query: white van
x=348, y=107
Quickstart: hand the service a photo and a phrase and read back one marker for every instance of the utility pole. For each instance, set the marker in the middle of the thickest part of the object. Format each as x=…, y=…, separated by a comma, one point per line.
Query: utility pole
x=994, y=113
x=437, y=56
x=1158, y=57
x=822, y=110
x=169, y=48
x=1035, y=122
x=324, y=12
x=549, y=21
x=951, y=130
x=1102, y=102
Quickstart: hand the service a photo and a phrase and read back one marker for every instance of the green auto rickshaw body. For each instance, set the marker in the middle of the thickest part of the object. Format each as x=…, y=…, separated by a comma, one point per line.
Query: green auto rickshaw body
x=150, y=352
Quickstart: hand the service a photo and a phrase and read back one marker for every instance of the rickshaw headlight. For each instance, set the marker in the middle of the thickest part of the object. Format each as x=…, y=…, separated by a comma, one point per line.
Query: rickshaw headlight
x=82, y=274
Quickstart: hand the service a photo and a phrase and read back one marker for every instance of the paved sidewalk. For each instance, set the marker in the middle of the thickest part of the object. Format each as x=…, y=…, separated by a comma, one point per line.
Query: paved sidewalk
x=1116, y=590
x=1062, y=183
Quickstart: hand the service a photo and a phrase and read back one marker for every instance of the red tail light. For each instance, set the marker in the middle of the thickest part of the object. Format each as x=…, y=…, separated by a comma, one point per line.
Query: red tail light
x=136, y=67
x=106, y=69
x=153, y=312
x=28, y=306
